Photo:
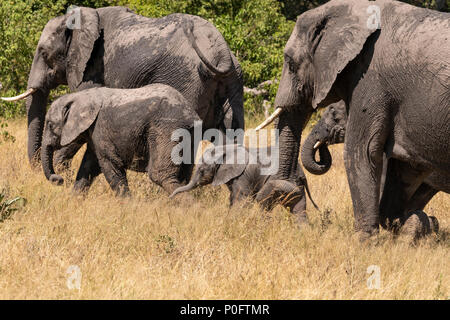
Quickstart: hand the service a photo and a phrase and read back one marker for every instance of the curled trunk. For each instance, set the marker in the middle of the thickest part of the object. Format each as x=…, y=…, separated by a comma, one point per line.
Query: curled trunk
x=192, y=185
x=309, y=156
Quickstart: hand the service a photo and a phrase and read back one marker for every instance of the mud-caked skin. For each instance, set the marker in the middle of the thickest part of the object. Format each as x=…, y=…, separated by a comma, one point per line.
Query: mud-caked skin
x=116, y=48
x=331, y=130
x=247, y=180
x=124, y=129
x=394, y=81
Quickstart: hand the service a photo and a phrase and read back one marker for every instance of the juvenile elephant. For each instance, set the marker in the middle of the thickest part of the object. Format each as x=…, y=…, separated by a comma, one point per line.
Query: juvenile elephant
x=116, y=48
x=123, y=129
x=245, y=179
x=331, y=130
x=390, y=63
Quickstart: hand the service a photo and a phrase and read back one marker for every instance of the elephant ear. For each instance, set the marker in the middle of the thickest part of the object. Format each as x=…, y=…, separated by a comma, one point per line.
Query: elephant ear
x=81, y=45
x=81, y=115
x=337, y=37
x=234, y=160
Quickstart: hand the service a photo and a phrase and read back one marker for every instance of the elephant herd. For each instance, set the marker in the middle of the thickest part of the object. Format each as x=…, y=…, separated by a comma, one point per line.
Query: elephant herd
x=381, y=68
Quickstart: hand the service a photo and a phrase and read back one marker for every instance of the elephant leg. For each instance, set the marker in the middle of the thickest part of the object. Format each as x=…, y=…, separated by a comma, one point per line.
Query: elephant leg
x=237, y=195
x=116, y=176
x=63, y=156
x=88, y=171
x=166, y=175
x=402, y=182
x=363, y=157
x=421, y=197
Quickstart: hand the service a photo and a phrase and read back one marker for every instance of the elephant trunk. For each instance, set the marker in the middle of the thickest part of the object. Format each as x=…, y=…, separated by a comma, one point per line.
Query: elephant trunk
x=308, y=156
x=190, y=186
x=47, y=165
x=36, y=109
x=290, y=127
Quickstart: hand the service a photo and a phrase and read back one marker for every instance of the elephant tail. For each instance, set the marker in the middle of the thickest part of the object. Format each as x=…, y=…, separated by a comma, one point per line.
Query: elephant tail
x=225, y=65
x=305, y=183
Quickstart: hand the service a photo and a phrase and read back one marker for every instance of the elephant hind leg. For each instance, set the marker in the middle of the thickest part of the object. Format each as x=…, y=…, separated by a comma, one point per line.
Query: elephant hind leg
x=421, y=197
x=116, y=177
x=402, y=183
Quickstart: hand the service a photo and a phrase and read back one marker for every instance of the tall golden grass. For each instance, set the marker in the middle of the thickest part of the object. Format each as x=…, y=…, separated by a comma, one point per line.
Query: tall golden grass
x=149, y=247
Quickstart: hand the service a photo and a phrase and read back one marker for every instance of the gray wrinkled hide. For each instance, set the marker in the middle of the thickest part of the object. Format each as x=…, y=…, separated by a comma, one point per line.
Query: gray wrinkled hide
x=123, y=129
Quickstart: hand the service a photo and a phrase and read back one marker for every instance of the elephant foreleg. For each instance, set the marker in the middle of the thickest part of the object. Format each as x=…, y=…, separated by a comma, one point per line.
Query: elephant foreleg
x=88, y=171
x=363, y=155
x=64, y=156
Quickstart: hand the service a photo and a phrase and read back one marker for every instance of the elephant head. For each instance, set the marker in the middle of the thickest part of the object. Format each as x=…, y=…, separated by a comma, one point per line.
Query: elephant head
x=217, y=166
x=329, y=130
x=67, y=119
x=323, y=43
x=62, y=54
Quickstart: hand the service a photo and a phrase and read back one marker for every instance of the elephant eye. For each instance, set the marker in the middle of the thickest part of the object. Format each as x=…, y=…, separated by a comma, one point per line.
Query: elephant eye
x=290, y=63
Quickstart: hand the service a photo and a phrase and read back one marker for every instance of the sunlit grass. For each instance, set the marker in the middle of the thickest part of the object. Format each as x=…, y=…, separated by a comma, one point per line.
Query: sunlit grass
x=154, y=248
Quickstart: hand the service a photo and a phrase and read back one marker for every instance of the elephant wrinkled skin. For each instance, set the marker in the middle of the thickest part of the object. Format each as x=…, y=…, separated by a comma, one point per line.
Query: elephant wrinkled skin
x=394, y=81
x=117, y=48
x=123, y=129
x=245, y=180
x=331, y=130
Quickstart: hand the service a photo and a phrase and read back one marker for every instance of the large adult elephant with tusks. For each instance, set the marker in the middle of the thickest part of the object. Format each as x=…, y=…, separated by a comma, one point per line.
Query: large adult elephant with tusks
x=117, y=48
x=390, y=63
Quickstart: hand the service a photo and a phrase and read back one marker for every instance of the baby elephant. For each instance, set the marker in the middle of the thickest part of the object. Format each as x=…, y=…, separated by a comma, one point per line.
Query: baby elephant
x=246, y=179
x=124, y=129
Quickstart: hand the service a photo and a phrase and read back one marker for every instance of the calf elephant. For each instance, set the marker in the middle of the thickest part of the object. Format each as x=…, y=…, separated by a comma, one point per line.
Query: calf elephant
x=117, y=48
x=389, y=62
x=245, y=179
x=123, y=129
x=331, y=130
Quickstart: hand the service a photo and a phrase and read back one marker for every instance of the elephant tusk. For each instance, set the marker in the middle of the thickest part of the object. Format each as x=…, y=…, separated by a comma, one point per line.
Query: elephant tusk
x=270, y=119
x=20, y=96
x=318, y=144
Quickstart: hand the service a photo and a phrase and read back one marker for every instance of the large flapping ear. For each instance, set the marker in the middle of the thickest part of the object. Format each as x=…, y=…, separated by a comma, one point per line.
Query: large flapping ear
x=336, y=37
x=233, y=161
x=84, y=24
x=81, y=115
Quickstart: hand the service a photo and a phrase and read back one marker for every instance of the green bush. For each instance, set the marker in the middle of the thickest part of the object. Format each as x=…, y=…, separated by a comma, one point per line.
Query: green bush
x=256, y=30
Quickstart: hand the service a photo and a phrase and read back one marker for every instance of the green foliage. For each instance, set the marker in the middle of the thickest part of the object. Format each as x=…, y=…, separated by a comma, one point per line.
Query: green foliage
x=7, y=206
x=256, y=30
x=4, y=134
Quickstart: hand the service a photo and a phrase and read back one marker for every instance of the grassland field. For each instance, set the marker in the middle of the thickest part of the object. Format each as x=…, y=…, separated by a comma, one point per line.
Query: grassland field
x=151, y=247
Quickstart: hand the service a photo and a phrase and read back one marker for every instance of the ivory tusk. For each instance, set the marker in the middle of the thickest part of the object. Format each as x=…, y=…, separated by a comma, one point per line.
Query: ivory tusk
x=318, y=144
x=270, y=119
x=21, y=96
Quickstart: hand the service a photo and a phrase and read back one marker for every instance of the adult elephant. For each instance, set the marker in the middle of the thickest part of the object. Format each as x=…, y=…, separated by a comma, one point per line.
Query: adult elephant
x=117, y=48
x=330, y=129
x=395, y=82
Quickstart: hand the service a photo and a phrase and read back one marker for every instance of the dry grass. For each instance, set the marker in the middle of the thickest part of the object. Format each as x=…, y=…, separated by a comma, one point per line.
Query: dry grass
x=148, y=247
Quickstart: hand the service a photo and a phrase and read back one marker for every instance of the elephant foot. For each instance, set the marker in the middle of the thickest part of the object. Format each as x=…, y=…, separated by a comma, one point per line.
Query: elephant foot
x=418, y=225
x=57, y=180
x=80, y=188
x=367, y=235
